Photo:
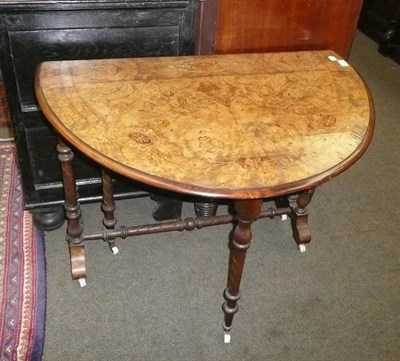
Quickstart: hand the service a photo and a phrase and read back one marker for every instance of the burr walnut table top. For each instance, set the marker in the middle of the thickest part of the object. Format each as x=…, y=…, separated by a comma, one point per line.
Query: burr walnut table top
x=233, y=126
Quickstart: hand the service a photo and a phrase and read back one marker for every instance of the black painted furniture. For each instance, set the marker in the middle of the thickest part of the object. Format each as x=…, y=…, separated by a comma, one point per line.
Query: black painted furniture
x=35, y=31
x=380, y=20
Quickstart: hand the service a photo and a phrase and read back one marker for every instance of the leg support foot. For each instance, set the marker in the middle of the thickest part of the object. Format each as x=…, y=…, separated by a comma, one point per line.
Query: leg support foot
x=78, y=262
x=299, y=218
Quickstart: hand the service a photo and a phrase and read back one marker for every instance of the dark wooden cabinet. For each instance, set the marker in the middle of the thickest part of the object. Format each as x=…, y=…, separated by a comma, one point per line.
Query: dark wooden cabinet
x=35, y=31
x=380, y=20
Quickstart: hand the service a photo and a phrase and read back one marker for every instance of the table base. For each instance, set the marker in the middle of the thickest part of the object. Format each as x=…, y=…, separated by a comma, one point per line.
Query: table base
x=247, y=211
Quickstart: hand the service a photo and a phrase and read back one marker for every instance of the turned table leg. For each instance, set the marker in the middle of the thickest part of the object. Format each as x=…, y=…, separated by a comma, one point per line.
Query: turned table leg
x=108, y=206
x=299, y=217
x=73, y=214
x=247, y=212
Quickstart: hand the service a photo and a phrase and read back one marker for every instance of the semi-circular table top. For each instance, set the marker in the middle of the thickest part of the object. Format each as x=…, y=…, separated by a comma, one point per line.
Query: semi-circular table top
x=241, y=126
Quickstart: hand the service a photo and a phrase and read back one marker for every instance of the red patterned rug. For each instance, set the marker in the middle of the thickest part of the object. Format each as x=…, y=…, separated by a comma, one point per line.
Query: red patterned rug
x=22, y=269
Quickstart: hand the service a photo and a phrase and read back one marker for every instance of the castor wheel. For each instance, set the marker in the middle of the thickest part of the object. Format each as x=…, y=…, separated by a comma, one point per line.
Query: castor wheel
x=302, y=247
x=114, y=250
x=82, y=282
x=284, y=217
x=227, y=337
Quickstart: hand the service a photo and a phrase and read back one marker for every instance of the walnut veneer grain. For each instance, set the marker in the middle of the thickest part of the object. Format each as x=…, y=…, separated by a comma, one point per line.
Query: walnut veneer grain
x=233, y=126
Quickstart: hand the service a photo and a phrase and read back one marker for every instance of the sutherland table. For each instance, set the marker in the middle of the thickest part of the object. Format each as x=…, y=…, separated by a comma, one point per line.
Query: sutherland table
x=240, y=127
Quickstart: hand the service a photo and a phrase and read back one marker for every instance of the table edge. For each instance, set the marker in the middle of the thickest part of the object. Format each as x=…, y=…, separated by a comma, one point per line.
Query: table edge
x=203, y=191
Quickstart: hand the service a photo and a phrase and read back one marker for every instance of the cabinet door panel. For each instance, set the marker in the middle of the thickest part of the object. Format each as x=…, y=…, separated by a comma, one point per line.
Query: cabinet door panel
x=84, y=44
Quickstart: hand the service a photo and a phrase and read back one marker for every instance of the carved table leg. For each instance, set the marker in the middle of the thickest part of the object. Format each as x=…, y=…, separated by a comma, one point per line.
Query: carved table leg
x=247, y=212
x=299, y=217
x=108, y=206
x=73, y=214
x=206, y=209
